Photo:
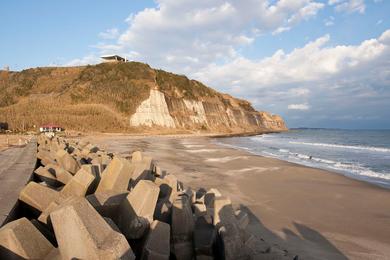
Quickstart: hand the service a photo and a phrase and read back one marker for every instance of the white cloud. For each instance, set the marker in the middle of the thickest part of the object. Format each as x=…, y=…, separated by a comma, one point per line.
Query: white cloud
x=348, y=79
x=188, y=34
x=349, y=6
x=298, y=107
x=329, y=21
x=89, y=59
x=333, y=2
x=385, y=38
x=312, y=62
x=109, y=34
x=299, y=92
x=280, y=30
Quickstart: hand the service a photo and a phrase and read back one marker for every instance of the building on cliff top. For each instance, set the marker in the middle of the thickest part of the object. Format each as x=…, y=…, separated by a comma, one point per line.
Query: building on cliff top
x=113, y=58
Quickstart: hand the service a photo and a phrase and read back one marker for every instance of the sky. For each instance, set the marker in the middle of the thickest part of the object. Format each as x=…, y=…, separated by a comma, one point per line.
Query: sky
x=316, y=63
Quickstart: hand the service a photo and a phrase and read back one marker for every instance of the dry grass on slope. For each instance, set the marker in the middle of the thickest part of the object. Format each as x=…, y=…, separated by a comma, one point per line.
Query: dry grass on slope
x=81, y=117
x=122, y=86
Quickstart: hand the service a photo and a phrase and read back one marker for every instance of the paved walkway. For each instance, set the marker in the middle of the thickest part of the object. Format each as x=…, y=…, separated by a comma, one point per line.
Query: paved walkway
x=16, y=167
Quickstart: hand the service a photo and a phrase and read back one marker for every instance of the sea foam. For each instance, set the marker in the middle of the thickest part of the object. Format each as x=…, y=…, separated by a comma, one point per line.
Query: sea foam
x=355, y=147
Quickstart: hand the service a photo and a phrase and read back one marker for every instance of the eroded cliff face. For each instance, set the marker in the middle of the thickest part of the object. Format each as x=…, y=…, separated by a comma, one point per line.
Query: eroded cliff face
x=153, y=111
x=220, y=113
x=123, y=97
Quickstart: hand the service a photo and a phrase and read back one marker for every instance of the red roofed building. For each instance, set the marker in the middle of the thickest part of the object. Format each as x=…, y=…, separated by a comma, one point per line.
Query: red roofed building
x=50, y=128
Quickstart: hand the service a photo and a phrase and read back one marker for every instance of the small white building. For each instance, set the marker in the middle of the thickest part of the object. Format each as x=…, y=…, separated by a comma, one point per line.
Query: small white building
x=113, y=58
x=50, y=128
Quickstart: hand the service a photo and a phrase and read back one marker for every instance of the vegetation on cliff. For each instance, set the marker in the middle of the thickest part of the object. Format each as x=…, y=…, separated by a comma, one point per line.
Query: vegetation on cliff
x=93, y=98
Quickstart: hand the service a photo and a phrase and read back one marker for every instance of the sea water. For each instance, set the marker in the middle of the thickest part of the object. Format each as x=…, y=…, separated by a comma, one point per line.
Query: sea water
x=360, y=154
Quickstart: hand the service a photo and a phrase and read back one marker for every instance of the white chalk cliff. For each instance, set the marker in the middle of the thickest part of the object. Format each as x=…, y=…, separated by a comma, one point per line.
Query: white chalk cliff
x=165, y=110
x=153, y=111
x=199, y=116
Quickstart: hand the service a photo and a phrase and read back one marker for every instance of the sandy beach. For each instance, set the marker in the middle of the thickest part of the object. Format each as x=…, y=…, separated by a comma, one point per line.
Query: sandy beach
x=312, y=213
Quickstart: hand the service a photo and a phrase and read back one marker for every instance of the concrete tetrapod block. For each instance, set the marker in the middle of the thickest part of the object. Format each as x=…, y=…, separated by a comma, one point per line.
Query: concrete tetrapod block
x=189, y=193
x=37, y=196
x=157, y=242
x=183, y=250
x=61, y=174
x=46, y=176
x=107, y=203
x=168, y=187
x=166, y=190
x=95, y=170
x=163, y=210
x=136, y=212
x=142, y=170
x=81, y=183
x=199, y=209
x=89, y=148
x=172, y=181
x=20, y=239
x=136, y=156
x=210, y=196
x=112, y=224
x=105, y=160
x=182, y=228
x=102, y=161
x=67, y=161
x=116, y=176
x=54, y=255
x=45, y=231
x=228, y=228
x=82, y=143
x=41, y=140
x=182, y=219
x=74, y=151
x=158, y=171
x=83, y=234
x=204, y=237
x=54, y=205
x=56, y=145
x=45, y=156
x=143, y=199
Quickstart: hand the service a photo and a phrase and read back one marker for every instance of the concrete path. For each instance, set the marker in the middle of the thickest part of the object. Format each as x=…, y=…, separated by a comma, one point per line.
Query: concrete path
x=16, y=167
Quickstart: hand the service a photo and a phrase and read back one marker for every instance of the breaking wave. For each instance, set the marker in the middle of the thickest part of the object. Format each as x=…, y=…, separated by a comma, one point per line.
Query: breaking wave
x=360, y=154
x=307, y=160
x=355, y=147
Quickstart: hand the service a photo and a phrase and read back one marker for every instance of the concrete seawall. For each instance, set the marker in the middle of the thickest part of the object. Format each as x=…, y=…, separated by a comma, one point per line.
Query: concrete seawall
x=18, y=165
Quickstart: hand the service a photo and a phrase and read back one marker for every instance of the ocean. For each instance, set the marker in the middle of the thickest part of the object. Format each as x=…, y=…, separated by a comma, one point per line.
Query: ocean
x=359, y=154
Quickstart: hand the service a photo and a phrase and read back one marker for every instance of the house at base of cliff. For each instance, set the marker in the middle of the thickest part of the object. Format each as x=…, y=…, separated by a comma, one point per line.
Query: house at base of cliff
x=113, y=58
x=50, y=128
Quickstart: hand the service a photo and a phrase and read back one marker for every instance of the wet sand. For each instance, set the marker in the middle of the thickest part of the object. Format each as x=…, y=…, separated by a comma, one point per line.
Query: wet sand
x=310, y=212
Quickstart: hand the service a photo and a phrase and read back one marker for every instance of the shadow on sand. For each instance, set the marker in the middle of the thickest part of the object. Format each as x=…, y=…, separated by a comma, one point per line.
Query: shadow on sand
x=306, y=242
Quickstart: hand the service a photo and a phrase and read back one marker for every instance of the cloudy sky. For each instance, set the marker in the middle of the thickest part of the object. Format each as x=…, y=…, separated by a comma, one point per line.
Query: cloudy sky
x=316, y=63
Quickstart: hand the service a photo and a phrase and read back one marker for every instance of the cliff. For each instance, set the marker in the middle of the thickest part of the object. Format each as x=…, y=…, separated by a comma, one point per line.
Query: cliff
x=124, y=97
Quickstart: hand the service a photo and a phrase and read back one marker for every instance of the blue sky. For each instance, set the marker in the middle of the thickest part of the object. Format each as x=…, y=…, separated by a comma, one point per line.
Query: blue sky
x=317, y=63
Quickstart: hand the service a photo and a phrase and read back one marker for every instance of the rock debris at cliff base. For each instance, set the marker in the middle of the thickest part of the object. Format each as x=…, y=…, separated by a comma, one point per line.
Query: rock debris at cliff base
x=85, y=203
